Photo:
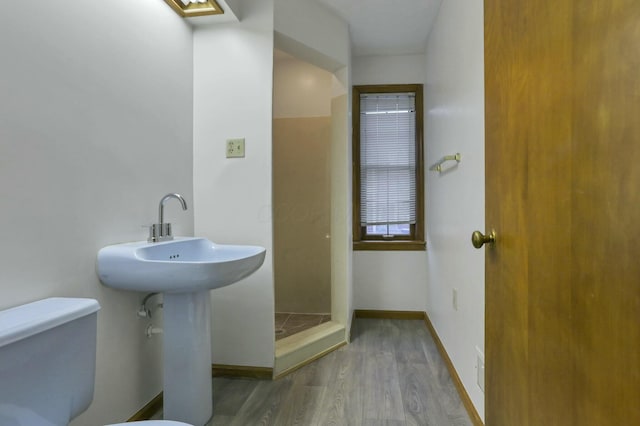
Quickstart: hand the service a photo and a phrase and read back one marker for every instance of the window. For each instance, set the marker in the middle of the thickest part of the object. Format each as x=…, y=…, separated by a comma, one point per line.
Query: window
x=388, y=168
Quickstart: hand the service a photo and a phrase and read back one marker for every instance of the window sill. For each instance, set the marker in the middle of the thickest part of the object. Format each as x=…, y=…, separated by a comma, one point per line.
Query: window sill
x=390, y=245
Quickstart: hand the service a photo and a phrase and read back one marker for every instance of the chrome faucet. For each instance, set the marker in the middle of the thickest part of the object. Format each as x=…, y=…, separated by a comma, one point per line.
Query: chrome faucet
x=162, y=231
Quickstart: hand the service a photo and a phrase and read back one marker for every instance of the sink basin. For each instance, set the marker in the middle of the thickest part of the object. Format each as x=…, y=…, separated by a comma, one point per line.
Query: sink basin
x=178, y=266
x=184, y=270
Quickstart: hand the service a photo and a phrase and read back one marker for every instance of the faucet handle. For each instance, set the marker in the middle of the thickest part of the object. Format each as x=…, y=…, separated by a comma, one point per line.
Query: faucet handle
x=160, y=232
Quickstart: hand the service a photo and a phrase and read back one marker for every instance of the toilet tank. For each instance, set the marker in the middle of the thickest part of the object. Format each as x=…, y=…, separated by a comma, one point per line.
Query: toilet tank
x=47, y=361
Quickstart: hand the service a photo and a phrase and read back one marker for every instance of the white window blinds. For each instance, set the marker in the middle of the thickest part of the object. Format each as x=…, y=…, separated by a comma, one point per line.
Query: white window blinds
x=387, y=159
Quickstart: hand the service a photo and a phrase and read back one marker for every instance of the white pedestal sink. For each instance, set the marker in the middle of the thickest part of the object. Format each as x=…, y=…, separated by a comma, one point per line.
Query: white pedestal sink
x=184, y=270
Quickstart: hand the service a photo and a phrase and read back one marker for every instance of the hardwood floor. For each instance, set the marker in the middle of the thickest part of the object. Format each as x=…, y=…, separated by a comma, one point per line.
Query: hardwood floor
x=390, y=375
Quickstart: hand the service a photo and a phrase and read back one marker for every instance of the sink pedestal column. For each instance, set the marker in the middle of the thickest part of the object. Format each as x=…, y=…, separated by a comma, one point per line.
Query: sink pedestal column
x=187, y=357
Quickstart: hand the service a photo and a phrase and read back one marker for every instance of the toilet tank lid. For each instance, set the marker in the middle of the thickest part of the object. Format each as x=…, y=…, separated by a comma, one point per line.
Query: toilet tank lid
x=27, y=320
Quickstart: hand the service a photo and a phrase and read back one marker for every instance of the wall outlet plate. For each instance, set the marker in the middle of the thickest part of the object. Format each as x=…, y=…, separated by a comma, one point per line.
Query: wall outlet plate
x=480, y=368
x=235, y=148
x=455, y=299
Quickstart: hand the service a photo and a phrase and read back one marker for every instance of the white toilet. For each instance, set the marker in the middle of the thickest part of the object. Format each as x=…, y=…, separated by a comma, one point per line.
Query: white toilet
x=48, y=362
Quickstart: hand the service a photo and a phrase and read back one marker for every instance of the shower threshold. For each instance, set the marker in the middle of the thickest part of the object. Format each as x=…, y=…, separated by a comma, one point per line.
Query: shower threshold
x=289, y=323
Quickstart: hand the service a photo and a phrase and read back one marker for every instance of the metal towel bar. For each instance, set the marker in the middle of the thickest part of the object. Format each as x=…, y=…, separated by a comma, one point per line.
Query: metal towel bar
x=437, y=167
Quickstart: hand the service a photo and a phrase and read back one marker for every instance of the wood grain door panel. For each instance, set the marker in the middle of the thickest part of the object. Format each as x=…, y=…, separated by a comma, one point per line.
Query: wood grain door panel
x=563, y=193
x=606, y=212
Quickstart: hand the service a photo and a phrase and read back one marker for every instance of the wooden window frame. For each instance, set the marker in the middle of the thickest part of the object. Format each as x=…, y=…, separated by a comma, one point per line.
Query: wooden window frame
x=415, y=241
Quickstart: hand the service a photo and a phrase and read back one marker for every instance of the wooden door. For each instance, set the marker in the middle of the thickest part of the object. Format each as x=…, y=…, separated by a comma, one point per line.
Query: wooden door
x=563, y=194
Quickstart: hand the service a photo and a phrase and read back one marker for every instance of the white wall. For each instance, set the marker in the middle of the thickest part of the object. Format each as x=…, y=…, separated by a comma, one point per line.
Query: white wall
x=454, y=97
x=323, y=36
x=233, y=83
x=400, y=69
x=341, y=206
x=95, y=127
x=389, y=280
x=233, y=73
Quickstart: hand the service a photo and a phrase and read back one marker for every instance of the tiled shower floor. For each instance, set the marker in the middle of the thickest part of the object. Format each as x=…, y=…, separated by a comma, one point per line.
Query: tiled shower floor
x=288, y=323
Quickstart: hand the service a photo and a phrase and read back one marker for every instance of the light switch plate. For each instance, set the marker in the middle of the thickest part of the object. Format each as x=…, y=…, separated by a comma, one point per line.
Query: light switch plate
x=235, y=148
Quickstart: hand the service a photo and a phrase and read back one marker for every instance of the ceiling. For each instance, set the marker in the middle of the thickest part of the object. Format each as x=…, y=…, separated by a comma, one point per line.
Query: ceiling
x=386, y=27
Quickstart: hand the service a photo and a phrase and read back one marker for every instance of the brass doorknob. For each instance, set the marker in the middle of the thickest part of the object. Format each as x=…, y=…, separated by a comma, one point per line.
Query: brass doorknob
x=478, y=240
